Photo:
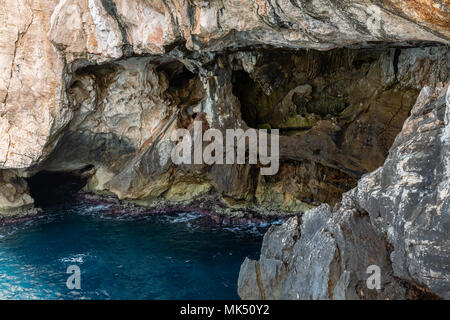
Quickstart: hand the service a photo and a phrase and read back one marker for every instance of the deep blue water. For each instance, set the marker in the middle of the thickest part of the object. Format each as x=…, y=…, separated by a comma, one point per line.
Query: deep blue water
x=157, y=257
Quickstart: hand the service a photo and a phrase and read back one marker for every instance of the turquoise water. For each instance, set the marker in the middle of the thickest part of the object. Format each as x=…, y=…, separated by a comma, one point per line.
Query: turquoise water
x=182, y=256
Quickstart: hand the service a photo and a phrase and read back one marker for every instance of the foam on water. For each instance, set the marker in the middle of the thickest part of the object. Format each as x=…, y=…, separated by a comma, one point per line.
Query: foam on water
x=178, y=256
x=77, y=258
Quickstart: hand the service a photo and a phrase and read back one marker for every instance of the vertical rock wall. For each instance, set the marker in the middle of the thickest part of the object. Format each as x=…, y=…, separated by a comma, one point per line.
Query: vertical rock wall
x=396, y=218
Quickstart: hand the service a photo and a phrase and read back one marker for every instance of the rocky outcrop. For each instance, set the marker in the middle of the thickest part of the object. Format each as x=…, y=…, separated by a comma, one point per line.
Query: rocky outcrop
x=102, y=84
x=125, y=111
x=97, y=87
x=396, y=218
x=40, y=37
x=32, y=107
x=101, y=28
x=15, y=200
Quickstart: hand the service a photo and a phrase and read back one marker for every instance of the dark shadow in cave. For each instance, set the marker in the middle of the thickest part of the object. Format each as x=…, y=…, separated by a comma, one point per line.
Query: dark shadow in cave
x=177, y=73
x=55, y=188
x=313, y=81
x=242, y=86
x=336, y=111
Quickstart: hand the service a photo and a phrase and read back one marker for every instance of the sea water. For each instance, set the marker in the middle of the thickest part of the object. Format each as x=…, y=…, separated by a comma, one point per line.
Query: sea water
x=179, y=256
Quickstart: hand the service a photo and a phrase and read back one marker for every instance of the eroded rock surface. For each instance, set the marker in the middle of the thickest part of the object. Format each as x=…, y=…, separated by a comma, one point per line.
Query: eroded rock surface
x=397, y=219
x=15, y=199
x=103, y=83
x=98, y=87
x=126, y=111
x=41, y=37
x=32, y=105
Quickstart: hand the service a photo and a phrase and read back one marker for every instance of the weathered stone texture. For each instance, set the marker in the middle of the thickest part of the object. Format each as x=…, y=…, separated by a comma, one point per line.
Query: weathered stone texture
x=397, y=218
x=102, y=84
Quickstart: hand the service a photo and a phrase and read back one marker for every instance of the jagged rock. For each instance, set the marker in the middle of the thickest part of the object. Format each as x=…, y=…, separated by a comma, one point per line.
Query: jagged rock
x=15, y=200
x=412, y=209
x=41, y=37
x=126, y=112
x=98, y=86
x=106, y=109
x=397, y=219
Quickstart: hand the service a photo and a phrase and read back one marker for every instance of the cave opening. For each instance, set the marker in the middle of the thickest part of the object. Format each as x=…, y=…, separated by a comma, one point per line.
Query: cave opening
x=242, y=86
x=293, y=91
x=49, y=188
x=177, y=73
x=338, y=113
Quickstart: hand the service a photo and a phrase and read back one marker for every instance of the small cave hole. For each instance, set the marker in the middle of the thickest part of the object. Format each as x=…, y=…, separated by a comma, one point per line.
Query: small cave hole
x=56, y=188
x=177, y=74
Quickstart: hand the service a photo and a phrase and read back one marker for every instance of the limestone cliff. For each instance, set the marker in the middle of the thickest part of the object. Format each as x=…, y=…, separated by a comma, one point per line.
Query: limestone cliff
x=98, y=86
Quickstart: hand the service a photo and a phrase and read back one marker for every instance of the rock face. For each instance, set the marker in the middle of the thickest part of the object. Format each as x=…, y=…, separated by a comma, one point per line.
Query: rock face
x=15, y=200
x=32, y=105
x=42, y=37
x=354, y=103
x=396, y=218
x=98, y=87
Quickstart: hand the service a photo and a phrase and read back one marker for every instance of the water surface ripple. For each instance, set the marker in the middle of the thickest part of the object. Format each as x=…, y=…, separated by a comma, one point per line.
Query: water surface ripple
x=182, y=256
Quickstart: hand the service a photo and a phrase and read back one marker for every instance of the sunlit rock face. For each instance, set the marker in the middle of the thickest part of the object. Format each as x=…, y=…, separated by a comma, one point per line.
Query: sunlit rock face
x=32, y=107
x=97, y=87
x=15, y=200
x=338, y=113
x=98, y=29
x=45, y=42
